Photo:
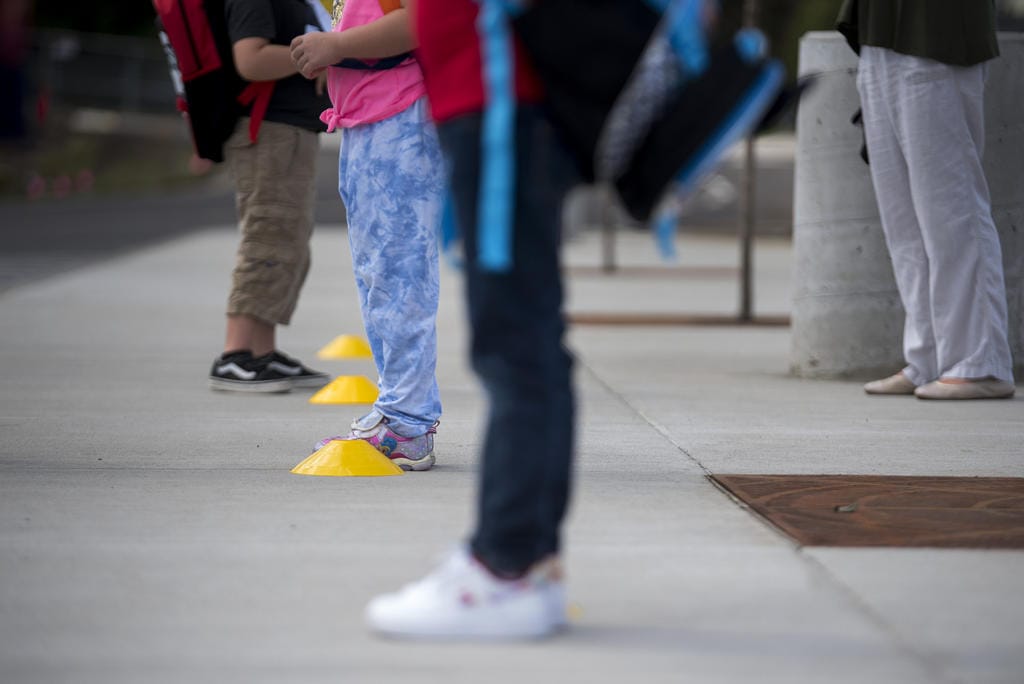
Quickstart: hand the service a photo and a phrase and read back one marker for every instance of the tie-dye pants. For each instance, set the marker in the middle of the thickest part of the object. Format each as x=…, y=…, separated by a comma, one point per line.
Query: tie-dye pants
x=392, y=181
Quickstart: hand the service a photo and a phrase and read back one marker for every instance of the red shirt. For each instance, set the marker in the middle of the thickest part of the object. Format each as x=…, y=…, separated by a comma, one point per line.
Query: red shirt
x=449, y=53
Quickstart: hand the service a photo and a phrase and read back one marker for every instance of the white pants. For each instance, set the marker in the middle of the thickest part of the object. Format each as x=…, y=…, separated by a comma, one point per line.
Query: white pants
x=924, y=125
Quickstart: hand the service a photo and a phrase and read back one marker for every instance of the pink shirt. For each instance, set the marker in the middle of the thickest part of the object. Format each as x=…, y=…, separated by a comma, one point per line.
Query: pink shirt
x=364, y=96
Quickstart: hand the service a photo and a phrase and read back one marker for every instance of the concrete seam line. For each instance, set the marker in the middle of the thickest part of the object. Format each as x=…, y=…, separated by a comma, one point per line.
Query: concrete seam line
x=930, y=665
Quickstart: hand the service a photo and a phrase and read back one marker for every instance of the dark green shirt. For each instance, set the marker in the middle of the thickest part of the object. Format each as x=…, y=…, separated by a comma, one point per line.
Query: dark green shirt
x=958, y=32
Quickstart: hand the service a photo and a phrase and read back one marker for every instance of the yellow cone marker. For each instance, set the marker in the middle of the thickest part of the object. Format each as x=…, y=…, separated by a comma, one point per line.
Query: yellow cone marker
x=346, y=347
x=346, y=389
x=348, y=458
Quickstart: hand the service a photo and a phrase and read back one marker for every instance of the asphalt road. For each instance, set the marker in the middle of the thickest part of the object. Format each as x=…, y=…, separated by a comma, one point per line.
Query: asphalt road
x=45, y=238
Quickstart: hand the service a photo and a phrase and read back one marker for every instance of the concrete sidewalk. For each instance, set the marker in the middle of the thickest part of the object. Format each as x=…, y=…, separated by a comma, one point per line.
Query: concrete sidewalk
x=150, y=530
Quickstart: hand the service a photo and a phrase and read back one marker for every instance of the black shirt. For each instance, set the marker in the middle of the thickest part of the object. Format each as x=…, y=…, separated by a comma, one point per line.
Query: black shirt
x=295, y=100
x=957, y=32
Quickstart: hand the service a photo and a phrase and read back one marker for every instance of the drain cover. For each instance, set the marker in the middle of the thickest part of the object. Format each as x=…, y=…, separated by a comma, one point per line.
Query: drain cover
x=878, y=510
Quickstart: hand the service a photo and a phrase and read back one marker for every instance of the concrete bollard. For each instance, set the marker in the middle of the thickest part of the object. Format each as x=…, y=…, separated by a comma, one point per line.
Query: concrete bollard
x=847, y=319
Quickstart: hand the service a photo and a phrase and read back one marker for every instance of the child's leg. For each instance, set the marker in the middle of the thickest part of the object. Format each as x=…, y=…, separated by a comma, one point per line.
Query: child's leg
x=517, y=350
x=275, y=188
x=391, y=179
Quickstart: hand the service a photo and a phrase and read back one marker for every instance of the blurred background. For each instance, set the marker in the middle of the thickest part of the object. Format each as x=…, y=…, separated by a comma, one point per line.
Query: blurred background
x=88, y=106
x=87, y=112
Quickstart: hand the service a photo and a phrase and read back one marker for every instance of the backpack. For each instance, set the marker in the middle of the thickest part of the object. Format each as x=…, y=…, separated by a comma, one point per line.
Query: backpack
x=652, y=112
x=211, y=94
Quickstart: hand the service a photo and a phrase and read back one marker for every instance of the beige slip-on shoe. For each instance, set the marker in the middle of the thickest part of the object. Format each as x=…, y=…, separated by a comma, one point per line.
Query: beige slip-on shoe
x=894, y=384
x=987, y=388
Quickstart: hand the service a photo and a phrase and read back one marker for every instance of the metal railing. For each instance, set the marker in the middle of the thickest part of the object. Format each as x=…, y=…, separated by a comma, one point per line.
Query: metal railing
x=746, y=233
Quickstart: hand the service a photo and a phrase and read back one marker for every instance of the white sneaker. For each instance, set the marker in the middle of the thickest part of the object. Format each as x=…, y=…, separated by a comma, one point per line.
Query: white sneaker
x=461, y=599
x=548, y=575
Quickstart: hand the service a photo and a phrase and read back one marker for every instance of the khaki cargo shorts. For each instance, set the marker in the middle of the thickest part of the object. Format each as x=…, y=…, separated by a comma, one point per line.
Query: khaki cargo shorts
x=274, y=182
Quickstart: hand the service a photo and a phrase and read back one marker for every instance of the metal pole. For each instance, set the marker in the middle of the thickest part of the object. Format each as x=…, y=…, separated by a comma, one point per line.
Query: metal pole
x=748, y=204
x=608, y=261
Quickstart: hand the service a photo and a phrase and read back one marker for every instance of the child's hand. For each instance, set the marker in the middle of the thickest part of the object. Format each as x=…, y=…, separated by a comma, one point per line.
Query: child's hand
x=313, y=52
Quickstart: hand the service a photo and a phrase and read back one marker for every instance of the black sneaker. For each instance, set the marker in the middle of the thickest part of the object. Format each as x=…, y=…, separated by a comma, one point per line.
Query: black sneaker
x=240, y=372
x=300, y=375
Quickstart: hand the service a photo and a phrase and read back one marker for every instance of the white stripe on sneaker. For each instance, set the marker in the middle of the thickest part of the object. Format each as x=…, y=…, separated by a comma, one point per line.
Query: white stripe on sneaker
x=236, y=370
x=283, y=369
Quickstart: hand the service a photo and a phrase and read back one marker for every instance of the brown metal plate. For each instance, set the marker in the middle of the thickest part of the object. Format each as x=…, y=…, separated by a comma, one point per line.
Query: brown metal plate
x=653, y=272
x=667, y=319
x=866, y=510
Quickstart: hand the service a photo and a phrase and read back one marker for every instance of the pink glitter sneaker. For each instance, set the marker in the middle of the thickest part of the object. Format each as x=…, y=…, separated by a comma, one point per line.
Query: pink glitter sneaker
x=408, y=453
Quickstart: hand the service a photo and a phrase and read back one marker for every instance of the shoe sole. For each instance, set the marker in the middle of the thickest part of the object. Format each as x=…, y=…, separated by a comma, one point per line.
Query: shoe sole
x=473, y=632
x=425, y=463
x=310, y=382
x=974, y=397
x=249, y=386
x=468, y=636
x=884, y=393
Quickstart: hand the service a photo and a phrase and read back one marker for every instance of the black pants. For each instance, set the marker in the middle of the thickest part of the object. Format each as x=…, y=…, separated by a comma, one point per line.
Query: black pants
x=517, y=331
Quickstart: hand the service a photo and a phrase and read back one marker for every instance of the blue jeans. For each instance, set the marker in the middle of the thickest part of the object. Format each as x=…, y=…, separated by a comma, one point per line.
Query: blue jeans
x=517, y=330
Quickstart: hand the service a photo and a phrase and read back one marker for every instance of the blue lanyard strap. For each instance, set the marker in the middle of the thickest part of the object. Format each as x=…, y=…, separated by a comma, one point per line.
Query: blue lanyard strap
x=683, y=24
x=495, y=209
